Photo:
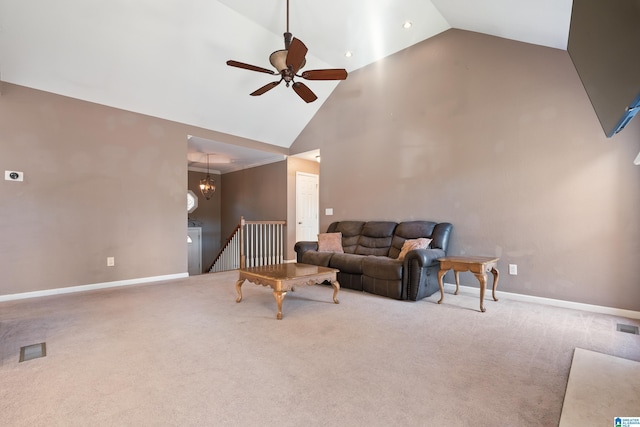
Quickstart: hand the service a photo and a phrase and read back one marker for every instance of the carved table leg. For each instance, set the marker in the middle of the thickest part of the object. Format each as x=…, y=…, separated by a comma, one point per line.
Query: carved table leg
x=457, y=274
x=441, y=274
x=336, y=288
x=279, y=296
x=496, y=276
x=238, y=285
x=482, y=278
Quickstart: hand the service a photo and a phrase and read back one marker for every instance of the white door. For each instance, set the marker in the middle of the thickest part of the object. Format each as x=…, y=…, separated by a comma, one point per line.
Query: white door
x=307, y=201
x=194, y=250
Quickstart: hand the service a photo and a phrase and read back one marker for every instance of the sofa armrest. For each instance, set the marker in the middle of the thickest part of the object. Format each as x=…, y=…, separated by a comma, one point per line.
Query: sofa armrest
x=424, y=257
x=419, y=279
x=302, y=247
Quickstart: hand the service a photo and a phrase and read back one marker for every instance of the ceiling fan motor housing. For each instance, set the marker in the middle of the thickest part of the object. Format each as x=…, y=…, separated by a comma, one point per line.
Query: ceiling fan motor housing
x=279, y=61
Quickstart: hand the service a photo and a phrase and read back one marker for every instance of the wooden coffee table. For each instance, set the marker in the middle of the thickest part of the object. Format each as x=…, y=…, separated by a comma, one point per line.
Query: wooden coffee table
x=478, y=265
x=285, y=277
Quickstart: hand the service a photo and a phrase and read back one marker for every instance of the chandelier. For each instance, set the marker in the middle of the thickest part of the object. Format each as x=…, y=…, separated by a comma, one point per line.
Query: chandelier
x=207, y=185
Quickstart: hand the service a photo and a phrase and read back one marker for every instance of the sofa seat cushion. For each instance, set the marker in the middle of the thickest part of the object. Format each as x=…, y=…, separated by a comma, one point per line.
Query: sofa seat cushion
x=347, y=263
x=317, y=258
x=382, y=268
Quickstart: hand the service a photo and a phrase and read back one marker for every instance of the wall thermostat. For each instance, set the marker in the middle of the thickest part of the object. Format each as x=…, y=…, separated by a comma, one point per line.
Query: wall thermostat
x=13, y=176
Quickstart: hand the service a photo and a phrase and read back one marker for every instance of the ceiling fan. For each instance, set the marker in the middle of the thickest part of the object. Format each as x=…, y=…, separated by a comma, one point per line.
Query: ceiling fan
x=288, y=62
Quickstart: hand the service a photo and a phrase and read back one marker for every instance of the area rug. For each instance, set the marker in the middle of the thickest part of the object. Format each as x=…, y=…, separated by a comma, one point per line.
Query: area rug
x=601, y=389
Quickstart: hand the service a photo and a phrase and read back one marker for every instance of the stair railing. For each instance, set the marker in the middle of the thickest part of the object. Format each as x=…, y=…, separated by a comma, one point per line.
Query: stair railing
x=251, y=244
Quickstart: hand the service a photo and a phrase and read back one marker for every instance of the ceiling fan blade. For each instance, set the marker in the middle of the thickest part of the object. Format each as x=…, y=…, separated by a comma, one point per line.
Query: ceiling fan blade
x=295, y=56
x=304, y=92
x=328, y=74
x=265, y=88
x=250, y=67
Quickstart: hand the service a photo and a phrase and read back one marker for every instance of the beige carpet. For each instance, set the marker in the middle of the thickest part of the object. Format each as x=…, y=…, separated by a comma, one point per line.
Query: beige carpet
x=184, y=353
x=600, y=389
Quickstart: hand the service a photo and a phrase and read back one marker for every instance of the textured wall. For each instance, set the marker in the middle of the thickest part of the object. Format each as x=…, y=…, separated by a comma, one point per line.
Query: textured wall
x=99, y=182
x=499, y=138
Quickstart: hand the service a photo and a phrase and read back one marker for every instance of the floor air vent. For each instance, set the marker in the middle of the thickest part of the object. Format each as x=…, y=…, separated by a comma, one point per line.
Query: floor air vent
x=630, y=329
x=33, y=351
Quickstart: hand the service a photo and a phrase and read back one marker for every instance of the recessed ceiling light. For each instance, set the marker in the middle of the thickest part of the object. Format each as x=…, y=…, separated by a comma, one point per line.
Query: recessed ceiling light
x=348, y=54
x=407, y=24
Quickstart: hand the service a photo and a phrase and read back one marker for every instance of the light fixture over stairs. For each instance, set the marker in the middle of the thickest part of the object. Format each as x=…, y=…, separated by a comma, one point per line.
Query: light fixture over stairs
x=207, y=185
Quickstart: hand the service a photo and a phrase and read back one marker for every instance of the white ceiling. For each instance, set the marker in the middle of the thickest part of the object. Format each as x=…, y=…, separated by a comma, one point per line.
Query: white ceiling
x=166, y=58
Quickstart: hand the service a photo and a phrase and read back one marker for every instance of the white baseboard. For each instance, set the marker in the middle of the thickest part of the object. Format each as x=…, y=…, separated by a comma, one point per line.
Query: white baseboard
x=451, y=288
x=91, y=287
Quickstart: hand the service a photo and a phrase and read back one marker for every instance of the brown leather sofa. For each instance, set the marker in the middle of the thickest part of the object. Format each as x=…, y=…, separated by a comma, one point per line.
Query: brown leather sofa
x=370, y=260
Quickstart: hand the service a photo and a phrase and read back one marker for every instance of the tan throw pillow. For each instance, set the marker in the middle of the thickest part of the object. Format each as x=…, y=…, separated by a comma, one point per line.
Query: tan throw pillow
x=330, y=242
x=409, y=245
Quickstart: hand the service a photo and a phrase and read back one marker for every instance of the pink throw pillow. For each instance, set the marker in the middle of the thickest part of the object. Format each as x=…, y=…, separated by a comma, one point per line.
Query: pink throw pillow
x=409, y=245
x=330, y=242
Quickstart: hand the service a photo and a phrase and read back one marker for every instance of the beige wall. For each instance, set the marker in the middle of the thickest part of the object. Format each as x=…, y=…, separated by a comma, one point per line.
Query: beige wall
x=98, y=182
x=257, y=194
x=603, y=43
x=208, y=216
x=499, y=138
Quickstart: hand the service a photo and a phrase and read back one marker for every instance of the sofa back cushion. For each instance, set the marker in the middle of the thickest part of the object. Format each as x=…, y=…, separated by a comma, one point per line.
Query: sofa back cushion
x=376, y=238
x=350, y=233
x=410, y=230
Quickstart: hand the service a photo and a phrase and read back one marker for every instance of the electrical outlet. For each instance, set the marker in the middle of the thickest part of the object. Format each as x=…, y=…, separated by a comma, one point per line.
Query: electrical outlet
x=111, y=261
x=513, y=269
x=13, y=176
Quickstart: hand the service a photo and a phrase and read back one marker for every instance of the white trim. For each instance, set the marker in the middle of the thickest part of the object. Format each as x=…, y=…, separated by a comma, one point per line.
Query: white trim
x=82, y=288
x=234, y=167
x=451, y=288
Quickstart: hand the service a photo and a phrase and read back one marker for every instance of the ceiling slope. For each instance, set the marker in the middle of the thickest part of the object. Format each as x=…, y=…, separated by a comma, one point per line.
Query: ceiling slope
x=167, y=58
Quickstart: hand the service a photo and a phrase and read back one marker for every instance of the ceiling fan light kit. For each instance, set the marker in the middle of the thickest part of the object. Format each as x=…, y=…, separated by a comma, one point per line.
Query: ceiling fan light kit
x=288, y=62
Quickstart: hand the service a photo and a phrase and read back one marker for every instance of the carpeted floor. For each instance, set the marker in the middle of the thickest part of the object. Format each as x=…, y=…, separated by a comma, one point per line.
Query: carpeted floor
x=184, y=353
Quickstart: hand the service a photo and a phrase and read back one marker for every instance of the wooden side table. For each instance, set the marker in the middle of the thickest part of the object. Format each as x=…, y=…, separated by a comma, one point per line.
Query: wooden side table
x=479, y=266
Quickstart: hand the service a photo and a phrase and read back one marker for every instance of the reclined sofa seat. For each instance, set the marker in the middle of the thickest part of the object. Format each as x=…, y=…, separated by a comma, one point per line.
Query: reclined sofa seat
x=370, y=260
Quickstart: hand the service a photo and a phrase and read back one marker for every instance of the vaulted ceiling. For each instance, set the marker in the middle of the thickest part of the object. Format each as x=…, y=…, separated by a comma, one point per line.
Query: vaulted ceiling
x=166, y=58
